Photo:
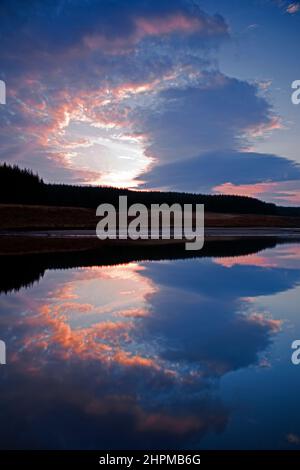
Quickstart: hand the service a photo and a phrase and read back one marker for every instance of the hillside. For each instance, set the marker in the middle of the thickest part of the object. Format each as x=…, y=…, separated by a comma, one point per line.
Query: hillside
x=19, y=186
x=30, y=217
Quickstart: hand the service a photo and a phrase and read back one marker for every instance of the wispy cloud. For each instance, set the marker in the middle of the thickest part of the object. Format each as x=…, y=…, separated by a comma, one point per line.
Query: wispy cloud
x=293, y=8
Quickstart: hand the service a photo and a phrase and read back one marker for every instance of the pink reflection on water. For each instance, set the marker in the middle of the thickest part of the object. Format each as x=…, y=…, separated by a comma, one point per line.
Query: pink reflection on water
x=286, y=256
x=92, y=315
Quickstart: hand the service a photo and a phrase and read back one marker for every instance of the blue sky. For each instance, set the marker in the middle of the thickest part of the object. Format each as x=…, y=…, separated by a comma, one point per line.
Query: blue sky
x=180, y=95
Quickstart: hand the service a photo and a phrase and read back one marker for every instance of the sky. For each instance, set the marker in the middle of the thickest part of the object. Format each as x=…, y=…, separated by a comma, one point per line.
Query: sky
x=185, y=95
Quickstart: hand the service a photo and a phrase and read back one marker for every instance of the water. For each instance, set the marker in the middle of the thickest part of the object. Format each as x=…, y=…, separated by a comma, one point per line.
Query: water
x=178, y=353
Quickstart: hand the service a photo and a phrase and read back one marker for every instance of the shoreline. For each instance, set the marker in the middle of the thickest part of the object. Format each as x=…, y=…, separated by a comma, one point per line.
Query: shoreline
x=218, y=232
x=22, y=242
x=28, y=229
x=14, y=217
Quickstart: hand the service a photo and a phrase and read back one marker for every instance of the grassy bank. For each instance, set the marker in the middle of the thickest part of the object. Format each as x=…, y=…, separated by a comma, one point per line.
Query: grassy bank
x=28, y=217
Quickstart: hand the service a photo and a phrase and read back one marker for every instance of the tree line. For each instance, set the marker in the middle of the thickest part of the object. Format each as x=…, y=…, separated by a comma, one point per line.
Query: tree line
x=22, y=186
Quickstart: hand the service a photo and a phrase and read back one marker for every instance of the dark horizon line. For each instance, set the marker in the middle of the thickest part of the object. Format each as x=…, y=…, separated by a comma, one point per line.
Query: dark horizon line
x=35, y=191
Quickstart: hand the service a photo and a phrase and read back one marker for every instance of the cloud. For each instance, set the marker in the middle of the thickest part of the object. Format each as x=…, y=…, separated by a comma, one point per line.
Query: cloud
x=223, y=170
x=293, y=439
x=216, y=114
x=282, y=192
x=217, y=335
x=73, y=26
x=91, y=63
x=293, y=8
x=118, y=92
x=199, y=139
x=287, y=256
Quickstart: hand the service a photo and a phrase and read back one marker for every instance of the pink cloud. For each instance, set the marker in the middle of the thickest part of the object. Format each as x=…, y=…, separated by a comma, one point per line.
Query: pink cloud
x=261, y=129
x=177, y=22
x=248, y=260
x=293, y=8
x=287, y=257
x=168, y=423
x=251, y=190
x=259, y=319
x=281, y=192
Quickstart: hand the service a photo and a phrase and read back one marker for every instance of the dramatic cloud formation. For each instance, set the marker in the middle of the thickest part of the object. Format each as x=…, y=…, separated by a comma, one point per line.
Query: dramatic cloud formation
x=226, y=171
x=120, y=92
x=215, y=114
x=74, y=71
